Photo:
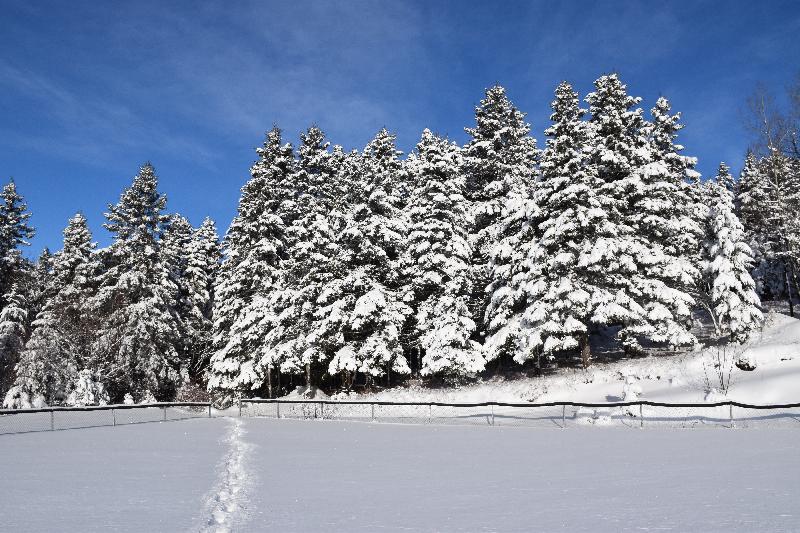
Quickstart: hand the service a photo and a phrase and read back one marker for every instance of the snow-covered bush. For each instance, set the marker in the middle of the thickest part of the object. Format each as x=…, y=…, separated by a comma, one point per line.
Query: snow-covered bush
x=128, y=400
x=631, y=389
x=87, y=390
x=147, y=397
x=19, y=398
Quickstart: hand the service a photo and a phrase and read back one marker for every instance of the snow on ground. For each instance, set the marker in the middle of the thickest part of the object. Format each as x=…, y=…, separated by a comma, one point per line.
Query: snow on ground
x=667, y=378
x=338, y=476
x=342, y=476
x=227, y=504
x=140, y=477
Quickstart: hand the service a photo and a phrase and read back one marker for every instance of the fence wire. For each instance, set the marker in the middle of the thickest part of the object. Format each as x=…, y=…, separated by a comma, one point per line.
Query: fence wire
x=59, y=418
x=641, y=414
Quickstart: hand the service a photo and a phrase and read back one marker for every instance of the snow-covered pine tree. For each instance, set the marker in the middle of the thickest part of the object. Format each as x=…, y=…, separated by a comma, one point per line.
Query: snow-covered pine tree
x=373, y=246
x=173, y=254
x=561, y=267
x=13, y=335
x=15, y=230
x=498, y=162
x=662, y=212
x=306, y=339
x=138, y=334
x=752, y=199
x=730, y=290
x=60, y=343
x=439, y=261
x=41, y=284
x=252, y=271
x=202, y=264
x=649, y=301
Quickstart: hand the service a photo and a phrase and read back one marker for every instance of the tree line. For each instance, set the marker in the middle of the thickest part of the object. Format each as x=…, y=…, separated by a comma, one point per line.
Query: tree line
x=346, y=268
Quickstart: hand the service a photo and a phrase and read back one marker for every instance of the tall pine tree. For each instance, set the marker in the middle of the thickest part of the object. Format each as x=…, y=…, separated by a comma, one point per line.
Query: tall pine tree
x=498, y=163
x=439, y=261
x=138, y=339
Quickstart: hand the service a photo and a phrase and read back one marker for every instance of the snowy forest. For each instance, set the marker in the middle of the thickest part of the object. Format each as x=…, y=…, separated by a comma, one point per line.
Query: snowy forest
x=352, y=270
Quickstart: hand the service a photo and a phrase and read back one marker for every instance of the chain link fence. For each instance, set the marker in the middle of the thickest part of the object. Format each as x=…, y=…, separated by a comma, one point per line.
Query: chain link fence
x=639, y=414
x=58, y=418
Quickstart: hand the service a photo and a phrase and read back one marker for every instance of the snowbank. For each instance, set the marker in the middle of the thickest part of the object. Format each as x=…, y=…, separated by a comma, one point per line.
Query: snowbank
x=775, y=353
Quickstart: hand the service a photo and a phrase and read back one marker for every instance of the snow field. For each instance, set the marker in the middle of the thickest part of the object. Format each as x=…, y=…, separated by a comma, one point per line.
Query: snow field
x=339, y=476
x=291, y=475
x=140, y=477
x=226, y=505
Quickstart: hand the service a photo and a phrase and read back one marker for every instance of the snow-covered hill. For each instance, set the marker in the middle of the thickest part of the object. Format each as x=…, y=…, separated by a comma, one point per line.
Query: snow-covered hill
x=775, y=353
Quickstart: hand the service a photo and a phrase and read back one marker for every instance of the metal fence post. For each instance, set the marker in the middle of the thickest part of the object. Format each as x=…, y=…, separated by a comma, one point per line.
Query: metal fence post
x=372, y=409
x=165, y=413
x=492, y=414
x=240, y=409
x=52, y=421
x=114, y=416
x=430, y=412
x=730, y=414
x=209, y=411
x=278, y=405
x=321, y=410
x=563, y=416
x=641, y=417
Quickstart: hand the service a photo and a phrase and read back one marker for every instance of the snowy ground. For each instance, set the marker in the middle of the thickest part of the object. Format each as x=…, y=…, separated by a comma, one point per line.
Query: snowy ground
x=287, y=475
x=665, y=378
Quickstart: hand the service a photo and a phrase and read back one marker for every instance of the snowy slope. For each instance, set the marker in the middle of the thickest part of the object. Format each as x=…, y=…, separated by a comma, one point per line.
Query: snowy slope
x=776, y=379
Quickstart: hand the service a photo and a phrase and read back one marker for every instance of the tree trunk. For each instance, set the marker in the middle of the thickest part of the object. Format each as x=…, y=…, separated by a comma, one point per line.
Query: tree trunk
x=586, y=354
x=788, y=288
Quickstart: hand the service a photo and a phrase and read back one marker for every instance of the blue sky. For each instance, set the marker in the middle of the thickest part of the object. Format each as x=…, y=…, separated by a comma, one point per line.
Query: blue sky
x=90, y=90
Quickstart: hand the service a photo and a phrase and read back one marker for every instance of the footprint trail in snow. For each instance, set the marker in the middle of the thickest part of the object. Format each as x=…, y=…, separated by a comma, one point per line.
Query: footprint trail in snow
x=226, y=504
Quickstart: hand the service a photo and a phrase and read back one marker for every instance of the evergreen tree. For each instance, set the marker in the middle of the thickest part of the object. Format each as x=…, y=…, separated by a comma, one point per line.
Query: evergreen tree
x=202, y=264
x=564, y=259
x=649, y=286
x=305, y=337
x=731, y=297
x=498, y=162
x=138, y=336
x=252, y=273
x=63, y=330
x=15, y=230
x=439, y=267
x=662, y=212
x=767, y=197
x=13, y=334
x=372, y=309
x=174, y=254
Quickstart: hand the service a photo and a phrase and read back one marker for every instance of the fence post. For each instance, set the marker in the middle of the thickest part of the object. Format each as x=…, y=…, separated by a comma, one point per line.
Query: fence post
x=209, y=410
x=240, y=409
x=165, y=412
x=52, y=421
x=372, y=409
x=321, y=410
x=430, y=412
x=278, y=404
x=492, y=414
x=563, y=416
x=641, y=417
x=114, y=416
x=730, y=414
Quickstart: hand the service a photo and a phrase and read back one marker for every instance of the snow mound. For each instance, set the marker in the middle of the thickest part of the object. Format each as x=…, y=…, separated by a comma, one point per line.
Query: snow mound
x=773, y=354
